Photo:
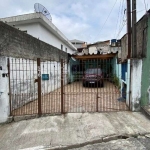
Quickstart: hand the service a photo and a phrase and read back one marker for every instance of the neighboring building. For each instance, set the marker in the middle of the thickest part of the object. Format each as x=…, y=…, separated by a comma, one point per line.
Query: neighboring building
x=78, y=44
x=143, y=51
x=99, y=47
x=135, y=70
x=37, y=25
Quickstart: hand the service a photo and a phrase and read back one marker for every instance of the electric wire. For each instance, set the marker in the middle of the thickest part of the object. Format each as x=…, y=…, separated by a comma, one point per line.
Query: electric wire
x=118, y=18
x=122, y=19
x=145, y=5
x=107, y=18
x=120, y=30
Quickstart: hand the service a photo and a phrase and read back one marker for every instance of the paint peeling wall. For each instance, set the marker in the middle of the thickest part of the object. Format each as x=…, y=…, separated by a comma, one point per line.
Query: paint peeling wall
x=23, y=73
x=16, y=44
x=136, y=72
x=4, y=90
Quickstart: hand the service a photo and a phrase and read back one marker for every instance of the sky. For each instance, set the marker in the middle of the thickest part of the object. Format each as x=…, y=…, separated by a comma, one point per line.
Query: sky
x=85, y=20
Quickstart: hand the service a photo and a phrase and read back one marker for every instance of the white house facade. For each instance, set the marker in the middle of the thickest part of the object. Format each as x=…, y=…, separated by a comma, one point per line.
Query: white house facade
x=37, y=25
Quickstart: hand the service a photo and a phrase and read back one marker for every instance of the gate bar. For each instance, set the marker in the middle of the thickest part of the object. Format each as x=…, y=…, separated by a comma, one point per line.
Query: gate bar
x=39, y=85
x=62, y=104
x=97, y=88
x=8, y=65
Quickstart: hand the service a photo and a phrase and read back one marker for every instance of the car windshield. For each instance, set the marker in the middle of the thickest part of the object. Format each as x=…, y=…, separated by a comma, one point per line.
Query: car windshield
x=93, y=71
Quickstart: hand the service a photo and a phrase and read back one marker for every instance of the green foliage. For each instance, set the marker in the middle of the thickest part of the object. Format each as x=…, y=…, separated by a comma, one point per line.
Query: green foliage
x=116, y=81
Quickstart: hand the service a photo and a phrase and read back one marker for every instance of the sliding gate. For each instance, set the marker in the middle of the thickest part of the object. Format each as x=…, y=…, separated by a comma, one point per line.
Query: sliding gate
x=51, y=87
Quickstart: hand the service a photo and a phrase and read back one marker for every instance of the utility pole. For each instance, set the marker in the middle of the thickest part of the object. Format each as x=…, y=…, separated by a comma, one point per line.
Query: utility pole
x=134, y=50
x=129, y=27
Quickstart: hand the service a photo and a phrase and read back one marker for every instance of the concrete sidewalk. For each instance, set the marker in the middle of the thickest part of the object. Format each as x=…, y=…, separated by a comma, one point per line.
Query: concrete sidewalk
x=72, y=130
x=139, y=143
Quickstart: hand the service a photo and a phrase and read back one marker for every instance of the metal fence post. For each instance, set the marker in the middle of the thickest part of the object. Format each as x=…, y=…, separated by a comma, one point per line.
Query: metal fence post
x=62, y=103
x=10, y=107
x=97, y=87
x=39, y=85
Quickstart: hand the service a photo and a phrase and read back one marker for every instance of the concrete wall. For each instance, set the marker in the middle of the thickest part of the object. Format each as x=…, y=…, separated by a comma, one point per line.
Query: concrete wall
x=136, y=73
x=141, y=33
x=15, y=43
x=32, y=23
x=4, y=90
x=124, y=48
x=145, y=84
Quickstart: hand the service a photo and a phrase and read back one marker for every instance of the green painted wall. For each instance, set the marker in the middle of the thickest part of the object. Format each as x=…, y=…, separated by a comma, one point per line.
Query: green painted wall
x=145, y=83
x=71, y=75
x=116, y=68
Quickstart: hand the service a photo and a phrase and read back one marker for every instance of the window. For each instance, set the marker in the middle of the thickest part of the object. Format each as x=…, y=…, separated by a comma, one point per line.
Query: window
x=61, y=47
x=66, y=50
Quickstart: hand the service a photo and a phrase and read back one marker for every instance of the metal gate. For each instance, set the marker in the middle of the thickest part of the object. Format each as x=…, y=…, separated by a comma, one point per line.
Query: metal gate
x=51, y=87
x=94, y=86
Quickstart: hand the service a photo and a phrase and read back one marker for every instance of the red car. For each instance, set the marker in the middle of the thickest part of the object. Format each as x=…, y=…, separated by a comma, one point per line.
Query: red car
x=93, y=77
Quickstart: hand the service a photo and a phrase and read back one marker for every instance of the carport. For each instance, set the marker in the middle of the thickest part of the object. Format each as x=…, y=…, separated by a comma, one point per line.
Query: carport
x=94, y=98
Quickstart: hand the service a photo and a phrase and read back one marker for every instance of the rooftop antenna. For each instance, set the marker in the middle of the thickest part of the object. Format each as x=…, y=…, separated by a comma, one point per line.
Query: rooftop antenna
x=41, y=9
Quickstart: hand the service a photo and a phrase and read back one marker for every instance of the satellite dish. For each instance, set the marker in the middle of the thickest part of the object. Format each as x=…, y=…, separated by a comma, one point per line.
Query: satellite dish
x=41, y=9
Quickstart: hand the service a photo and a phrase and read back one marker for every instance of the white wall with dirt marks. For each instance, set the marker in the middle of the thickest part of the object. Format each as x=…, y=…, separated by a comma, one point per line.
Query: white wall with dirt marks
x=4, y=90
x=23, y=73
x=136, y=72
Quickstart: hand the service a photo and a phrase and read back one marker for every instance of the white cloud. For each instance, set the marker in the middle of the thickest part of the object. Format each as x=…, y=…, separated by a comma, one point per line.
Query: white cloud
x=83, y=20
x=71, y=27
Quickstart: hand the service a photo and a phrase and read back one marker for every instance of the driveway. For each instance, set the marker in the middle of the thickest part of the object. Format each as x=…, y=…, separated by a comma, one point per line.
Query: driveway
x=77, y=98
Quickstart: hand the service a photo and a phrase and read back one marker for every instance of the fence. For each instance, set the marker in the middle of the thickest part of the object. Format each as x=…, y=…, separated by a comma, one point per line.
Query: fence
x=50, y=87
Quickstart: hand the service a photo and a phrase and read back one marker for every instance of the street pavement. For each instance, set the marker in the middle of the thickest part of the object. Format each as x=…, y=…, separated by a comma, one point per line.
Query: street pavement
x=76, y=131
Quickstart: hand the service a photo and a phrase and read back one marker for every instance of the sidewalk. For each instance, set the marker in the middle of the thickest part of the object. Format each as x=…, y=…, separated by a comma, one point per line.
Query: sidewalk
x=72, y=130
x=140, y=143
